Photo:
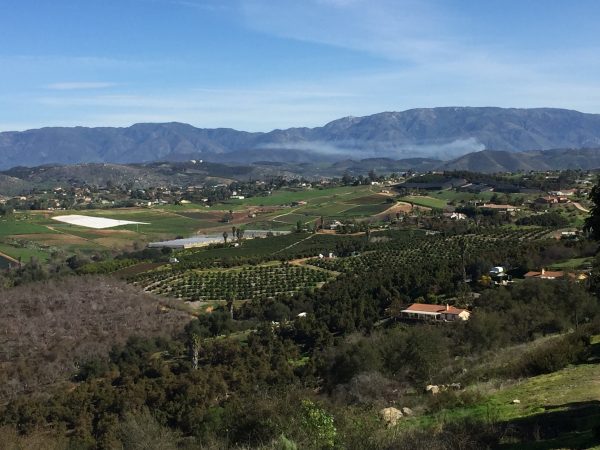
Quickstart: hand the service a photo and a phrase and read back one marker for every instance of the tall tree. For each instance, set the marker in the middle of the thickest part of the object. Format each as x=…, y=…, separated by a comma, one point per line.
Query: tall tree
x=592, y=223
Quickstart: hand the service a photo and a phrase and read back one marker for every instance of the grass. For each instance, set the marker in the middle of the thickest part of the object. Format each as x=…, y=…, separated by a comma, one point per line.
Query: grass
x=284, y=197
x=572, y=264
x=25, y=253
x=567, y=402
x=428, y=202
x=17, y=226
x=366, y=210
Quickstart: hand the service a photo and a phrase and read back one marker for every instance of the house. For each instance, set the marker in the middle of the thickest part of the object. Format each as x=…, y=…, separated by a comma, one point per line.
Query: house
x=335, y=225
x=562, y=193
x=555, y=275
x=455, y=216
x=441, y=313
x=549, y=200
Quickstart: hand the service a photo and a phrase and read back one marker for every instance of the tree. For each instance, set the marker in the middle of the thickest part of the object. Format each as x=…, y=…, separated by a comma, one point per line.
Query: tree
x=195, y=350
x=318, y=424
x=239, y=233
x=346, y=179
x=592, y=223
x=230, y=300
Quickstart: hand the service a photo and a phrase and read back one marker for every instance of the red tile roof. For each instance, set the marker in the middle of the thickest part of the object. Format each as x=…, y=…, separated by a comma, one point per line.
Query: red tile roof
x=426, y=308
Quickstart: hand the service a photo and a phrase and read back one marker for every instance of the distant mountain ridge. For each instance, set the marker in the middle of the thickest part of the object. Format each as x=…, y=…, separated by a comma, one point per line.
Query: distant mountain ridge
x=441, y=133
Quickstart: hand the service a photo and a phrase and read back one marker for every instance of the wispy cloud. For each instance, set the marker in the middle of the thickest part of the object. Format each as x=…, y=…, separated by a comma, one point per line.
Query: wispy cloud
x=80, y=85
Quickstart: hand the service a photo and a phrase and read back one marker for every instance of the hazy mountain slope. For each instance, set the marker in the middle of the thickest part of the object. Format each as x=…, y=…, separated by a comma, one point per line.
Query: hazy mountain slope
x=437, y=132
x=503, y=161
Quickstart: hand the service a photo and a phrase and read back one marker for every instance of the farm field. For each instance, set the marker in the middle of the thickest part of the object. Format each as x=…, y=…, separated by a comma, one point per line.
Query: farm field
x=246, y=283
x=409, y=249
x=426, y=201
x=33, y=229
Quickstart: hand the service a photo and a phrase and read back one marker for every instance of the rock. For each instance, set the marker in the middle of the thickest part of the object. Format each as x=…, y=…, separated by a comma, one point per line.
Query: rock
x=406, y=411
x=516, y=401
x=390, y=416
x=433, y=389
x=455, y=386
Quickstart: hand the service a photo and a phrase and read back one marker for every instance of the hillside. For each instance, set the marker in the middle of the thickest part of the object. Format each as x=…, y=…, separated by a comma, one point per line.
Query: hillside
x=59, y=324
x=503, y=161
x=429, y=132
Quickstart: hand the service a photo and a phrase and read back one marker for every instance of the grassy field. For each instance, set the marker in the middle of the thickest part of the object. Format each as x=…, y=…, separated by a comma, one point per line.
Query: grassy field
x=25, y=253
x=427, y=201
x=19, y=225
x=284, y=197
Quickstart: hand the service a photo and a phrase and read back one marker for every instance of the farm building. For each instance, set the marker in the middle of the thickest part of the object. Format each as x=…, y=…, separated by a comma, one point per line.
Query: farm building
x=442, y=313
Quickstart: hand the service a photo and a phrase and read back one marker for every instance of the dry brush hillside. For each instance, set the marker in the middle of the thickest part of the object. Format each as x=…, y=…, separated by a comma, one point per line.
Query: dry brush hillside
x=46, y=328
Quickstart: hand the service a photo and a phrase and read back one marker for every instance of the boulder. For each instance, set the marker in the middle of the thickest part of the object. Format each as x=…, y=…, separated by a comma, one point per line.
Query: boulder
x=390, y=416
x=516, y=401
x=433, y=389
x=406, y=411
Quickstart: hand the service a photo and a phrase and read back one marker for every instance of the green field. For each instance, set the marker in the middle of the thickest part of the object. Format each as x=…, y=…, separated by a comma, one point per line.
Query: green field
x=21, y=226
x=24, y=253
x=572, y=264
x=311, y=196
x=366, y=210
x=426, y=201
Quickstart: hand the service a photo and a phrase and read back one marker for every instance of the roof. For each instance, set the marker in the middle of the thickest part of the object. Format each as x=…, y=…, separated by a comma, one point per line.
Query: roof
x=424, y=308
x=546, y=274
x=555, y=274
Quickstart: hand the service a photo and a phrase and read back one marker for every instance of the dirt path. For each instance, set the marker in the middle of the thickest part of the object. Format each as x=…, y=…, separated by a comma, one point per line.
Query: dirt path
x=8, y=258
x=401, y=207
x=295, y=243
x=302, y=262
x=580, y=207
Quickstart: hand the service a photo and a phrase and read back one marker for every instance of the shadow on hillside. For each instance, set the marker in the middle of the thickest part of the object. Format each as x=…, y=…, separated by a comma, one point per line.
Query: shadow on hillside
x=573, y=425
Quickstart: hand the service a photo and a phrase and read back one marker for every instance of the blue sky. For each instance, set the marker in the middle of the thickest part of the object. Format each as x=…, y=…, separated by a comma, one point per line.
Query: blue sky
x=264, y=64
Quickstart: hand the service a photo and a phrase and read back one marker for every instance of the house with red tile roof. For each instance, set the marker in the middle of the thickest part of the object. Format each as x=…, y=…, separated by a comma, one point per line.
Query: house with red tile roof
x=441, y=313
x=555, y=275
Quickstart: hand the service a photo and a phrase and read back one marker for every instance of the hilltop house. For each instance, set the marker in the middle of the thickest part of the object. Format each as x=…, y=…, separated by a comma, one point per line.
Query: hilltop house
x=441, y=313
x=555, y=275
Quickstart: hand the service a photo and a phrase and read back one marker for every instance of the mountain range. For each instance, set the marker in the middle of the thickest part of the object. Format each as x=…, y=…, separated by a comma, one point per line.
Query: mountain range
x=437, y=133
